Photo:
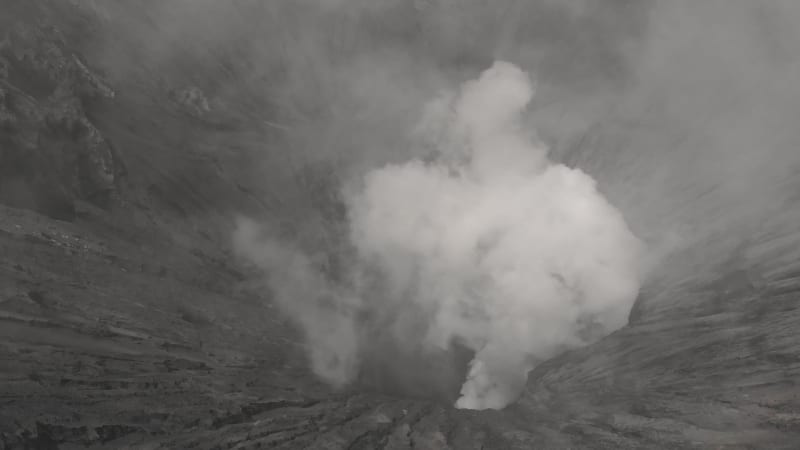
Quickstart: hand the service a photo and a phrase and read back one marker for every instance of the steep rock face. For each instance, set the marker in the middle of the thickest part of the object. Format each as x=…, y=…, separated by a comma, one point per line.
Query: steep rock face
x=53, y=153
x=81, y=128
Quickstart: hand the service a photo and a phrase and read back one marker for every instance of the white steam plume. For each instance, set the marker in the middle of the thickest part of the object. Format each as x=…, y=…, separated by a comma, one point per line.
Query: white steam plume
x=490, y=246
x=513, y=256
x=325, y=312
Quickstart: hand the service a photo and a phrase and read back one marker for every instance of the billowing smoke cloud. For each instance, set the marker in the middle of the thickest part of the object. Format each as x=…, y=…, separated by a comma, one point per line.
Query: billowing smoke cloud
x=502, y=251
x=512, y=256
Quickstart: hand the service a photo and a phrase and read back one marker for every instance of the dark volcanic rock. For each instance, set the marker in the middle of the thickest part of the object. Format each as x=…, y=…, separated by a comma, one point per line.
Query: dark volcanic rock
x=52, y=152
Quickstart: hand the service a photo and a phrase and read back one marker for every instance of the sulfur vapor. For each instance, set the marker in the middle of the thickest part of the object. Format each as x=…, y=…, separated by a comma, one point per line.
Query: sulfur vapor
x=511, y=255
x=482, y=243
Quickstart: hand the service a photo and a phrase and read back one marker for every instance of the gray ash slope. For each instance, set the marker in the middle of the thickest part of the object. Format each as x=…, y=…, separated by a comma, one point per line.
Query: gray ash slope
x=126, y=322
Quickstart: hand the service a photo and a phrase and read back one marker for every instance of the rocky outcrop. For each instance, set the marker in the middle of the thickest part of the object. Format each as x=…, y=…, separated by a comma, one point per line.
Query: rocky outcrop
x=192, y=100
x=53, y=154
